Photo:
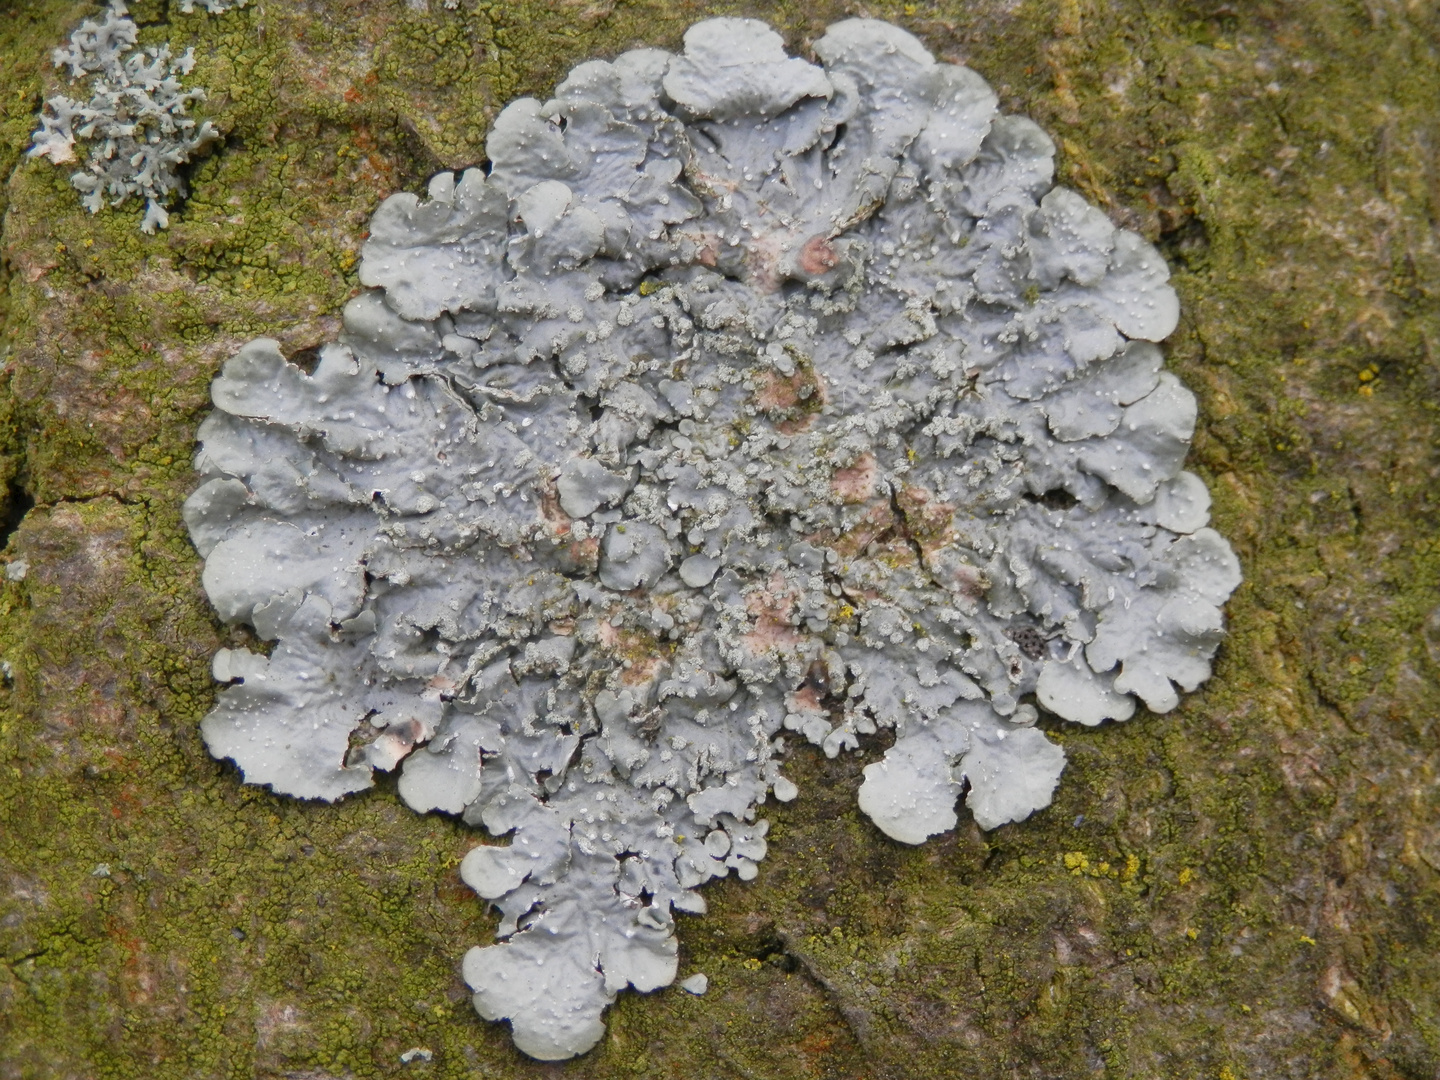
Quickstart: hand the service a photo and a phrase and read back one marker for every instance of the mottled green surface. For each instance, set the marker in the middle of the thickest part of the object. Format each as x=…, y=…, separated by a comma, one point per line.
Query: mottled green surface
x=1247, y=887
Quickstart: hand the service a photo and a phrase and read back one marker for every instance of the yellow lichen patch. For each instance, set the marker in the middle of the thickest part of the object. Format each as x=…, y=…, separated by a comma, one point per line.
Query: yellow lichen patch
x=1079, y=864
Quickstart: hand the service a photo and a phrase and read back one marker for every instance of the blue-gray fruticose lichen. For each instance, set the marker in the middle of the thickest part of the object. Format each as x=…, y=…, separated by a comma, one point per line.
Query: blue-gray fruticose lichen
x=743, y=397
x=134, y=124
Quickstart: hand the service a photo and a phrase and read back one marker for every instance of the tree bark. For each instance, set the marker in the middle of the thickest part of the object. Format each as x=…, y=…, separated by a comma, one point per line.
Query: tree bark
x=1246, y=887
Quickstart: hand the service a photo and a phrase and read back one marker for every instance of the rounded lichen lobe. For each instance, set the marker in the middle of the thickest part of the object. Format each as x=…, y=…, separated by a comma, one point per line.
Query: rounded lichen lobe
x=744, y=396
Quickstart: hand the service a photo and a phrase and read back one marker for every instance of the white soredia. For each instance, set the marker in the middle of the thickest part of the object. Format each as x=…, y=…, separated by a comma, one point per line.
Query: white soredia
x=134, y=125
x=743, y=396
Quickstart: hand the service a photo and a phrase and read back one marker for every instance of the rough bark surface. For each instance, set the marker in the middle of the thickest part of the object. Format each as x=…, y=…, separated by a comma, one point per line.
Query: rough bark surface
x=1246, y=887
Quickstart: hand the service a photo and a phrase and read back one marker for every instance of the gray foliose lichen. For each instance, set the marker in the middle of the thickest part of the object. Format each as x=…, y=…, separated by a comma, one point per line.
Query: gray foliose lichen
x=134, y=124
x=744, y=399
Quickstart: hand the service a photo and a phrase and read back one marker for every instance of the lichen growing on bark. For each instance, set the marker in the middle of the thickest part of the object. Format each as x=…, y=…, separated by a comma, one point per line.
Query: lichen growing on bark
x=732, y=400
x=1245, y=884
x=135, y=127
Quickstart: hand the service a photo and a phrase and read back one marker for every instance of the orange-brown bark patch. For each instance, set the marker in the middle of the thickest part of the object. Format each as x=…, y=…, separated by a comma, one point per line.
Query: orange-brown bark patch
x=804, y=700
x=926, y=517
x=791, y=401
x=817, y=256
x=877, y=520
x=856, y=483
x=772, y=609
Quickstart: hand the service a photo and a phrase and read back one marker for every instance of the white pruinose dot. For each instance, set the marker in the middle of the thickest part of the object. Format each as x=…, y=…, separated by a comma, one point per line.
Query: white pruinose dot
x=743, y=399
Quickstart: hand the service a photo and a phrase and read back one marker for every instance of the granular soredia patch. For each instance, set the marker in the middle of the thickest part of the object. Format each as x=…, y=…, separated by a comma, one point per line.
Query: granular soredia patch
x=745, y=399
